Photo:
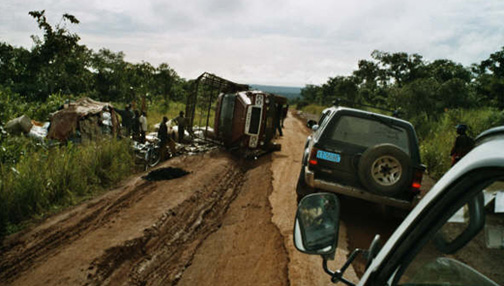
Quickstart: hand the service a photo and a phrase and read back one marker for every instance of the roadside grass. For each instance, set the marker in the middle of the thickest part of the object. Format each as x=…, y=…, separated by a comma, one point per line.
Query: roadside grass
x=313, y=109
x=156, y=111
x=49, y=179
x=436, y=143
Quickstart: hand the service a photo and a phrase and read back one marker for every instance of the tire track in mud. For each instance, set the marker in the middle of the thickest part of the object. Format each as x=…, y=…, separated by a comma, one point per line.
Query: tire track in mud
x=166, y=249
x=20, y=255
x=248, y=248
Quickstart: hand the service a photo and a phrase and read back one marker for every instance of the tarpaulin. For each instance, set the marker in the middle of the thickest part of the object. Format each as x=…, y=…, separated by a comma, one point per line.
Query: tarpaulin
x=78, y=115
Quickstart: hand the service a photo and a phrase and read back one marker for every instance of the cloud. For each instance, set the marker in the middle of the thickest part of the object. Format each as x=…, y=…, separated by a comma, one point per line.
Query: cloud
x=271, y=42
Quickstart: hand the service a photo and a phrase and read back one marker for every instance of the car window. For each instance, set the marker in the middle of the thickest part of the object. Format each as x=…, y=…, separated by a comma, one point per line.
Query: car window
x=368, y=133
x=479, y=262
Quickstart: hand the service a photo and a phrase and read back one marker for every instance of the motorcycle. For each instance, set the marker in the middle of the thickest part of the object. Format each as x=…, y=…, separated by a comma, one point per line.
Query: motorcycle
x=148, y=153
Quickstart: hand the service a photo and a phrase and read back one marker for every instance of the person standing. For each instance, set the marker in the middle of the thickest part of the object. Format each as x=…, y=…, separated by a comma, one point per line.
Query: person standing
x=182, y=124
x=278, y=121
x=463, y=144
x=136, y=126
x=163, y=137
x=285, y=110
x=127, y=118
x=143, y=126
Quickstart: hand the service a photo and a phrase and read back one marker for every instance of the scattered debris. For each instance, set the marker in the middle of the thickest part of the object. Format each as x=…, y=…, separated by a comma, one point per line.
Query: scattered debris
x=165, y=174
x=19, y=125
x=39, y=131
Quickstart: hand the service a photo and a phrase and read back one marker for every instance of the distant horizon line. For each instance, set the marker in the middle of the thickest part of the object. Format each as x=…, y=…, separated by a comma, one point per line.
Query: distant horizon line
x=275, y=85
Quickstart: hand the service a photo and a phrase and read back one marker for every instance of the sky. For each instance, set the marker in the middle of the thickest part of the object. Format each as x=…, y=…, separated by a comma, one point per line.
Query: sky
x=274, y=42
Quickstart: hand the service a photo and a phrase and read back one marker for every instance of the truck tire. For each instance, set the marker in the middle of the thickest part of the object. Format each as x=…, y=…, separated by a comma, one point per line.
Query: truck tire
x=302, y=189
x=385, y=170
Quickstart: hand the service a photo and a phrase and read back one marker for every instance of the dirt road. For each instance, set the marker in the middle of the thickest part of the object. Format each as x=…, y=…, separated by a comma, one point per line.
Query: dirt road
x=227, y=222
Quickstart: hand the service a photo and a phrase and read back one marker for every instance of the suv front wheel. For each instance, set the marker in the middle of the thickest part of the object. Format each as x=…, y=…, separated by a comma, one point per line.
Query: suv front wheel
x=385, y=170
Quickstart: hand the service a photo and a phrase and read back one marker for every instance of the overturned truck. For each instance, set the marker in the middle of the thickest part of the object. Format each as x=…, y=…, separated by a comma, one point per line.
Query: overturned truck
x=243, y=119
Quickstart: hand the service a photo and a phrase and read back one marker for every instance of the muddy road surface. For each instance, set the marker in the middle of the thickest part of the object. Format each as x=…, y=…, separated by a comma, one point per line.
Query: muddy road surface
x=225, y=222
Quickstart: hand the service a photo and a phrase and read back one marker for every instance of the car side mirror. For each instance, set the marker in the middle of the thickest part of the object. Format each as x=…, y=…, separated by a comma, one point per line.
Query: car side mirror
x=310, y=123
x=317, y=224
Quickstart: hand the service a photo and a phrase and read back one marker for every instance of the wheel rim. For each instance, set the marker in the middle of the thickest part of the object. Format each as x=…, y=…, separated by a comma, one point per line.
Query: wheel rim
x=386, y=170
x=154, y=158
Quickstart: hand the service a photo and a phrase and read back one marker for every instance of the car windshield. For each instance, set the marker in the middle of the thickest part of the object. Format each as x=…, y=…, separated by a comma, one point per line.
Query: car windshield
x=368, y=133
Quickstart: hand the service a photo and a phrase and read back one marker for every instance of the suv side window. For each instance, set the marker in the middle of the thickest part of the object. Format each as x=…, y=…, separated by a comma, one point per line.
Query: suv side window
x=367, y=133
x=479, y=262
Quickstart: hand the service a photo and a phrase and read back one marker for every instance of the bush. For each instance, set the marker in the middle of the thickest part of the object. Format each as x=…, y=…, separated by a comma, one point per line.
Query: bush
x=438, y=137
x=11, y=105
x=46, y=179
x=41, y=111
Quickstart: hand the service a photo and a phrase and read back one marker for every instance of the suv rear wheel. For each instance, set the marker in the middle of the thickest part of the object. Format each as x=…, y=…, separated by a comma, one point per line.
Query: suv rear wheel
x=302, y=189
x=385, y=170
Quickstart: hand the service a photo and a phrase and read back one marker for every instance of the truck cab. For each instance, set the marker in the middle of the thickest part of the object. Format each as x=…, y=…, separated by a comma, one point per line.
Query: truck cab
x=247, y=119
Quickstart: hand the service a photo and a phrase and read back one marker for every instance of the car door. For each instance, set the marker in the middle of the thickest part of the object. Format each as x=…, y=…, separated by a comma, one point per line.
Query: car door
x=458, y=239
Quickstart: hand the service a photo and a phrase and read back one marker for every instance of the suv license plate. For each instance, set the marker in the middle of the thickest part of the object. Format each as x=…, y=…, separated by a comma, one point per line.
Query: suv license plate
x=333, y=157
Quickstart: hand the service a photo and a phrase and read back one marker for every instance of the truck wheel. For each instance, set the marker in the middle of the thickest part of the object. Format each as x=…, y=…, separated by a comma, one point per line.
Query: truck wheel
x=385, y=169
x=302, y=189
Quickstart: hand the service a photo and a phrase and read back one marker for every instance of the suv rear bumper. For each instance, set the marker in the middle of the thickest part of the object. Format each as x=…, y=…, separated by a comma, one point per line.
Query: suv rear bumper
x=353, y=192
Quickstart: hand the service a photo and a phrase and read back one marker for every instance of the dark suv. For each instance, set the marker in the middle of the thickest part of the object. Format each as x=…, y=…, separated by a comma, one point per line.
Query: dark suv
x=364, y=155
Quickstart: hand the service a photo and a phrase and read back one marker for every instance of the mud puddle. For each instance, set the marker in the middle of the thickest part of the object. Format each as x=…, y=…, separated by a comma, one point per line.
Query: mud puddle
x=165, y=174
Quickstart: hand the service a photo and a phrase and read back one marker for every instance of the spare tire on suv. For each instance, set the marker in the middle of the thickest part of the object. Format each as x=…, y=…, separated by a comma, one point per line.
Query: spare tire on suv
x=386, y=170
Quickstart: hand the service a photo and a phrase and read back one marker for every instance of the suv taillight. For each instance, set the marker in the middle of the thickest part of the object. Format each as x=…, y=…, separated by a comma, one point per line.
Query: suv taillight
x=312, y=160
x=417, y=180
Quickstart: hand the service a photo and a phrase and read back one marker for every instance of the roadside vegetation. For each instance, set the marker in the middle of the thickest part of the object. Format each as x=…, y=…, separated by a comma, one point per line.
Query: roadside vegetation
x=39, y=180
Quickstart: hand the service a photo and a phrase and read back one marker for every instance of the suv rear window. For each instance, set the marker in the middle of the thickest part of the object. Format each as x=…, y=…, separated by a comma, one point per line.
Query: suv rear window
x=367, y=132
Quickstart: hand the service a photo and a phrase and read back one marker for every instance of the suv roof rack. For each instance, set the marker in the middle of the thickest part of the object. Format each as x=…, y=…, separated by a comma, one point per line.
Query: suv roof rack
x=338, y=102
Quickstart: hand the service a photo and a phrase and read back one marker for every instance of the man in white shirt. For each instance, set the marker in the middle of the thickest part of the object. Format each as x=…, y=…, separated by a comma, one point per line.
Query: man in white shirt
x=143, y=126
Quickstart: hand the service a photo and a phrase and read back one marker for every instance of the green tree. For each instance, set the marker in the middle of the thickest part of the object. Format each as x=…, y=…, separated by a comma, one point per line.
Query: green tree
x=58, y=63
x=489, y=81
x=110, y=82
x=420, y=97
x=310, y=93
x=399, y=68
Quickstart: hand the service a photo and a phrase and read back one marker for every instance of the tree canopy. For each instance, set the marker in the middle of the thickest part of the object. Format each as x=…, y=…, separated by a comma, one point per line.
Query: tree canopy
x=58, y=63
x=416, y=86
